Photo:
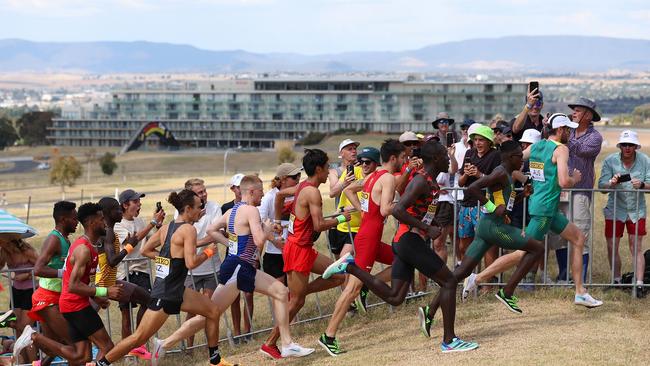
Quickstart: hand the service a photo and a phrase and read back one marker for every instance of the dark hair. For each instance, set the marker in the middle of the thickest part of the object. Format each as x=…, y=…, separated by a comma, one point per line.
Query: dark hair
x=87, y=210
x=314, y=158
x=107, y=204
x=509, y=146
x=431, y=149
x=62, y=208
x=390, y=147
x=181, y=199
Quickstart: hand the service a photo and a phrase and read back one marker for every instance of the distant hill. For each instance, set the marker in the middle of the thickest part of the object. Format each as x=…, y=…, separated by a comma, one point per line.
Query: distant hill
x=557, y=54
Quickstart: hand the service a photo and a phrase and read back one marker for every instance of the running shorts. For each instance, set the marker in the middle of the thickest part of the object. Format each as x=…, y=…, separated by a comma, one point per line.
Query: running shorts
x=298, y=258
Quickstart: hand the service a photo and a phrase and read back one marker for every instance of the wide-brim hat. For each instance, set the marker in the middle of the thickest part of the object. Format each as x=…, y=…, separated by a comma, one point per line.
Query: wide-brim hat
x=442, y=116
x=531, y=136
x=10, y=224
x=629, y=137
x=589, y=104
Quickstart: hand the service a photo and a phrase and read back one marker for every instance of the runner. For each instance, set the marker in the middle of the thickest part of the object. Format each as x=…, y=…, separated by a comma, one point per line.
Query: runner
x=376, y=204
x=300, y=258
x=246, y=234
x=169, y=295
x=550, y=173
x=84, y=324
x=415, y=211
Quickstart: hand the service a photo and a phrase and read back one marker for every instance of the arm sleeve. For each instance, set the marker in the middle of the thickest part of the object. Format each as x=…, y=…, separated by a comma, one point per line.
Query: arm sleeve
x=588, y=147
x=606, y=173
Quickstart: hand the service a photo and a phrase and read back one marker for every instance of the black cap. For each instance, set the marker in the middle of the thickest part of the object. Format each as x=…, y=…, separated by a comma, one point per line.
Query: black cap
x=129, y=195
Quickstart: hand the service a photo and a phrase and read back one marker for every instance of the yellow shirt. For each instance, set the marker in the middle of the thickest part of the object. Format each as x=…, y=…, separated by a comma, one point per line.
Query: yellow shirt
x=355, y=220
x=106, y=275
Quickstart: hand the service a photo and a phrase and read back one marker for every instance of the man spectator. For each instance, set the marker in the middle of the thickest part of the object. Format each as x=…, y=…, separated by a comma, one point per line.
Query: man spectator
x=502, y=132
x=628, y=169
x=413, y=162
x=234, y=188
x=530, y=116
x=441, y=124
x=134, y=268
x=339, y=178
x=460, y=148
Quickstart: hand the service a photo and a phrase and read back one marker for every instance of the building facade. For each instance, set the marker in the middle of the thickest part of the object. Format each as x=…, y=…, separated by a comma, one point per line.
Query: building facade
x=255, y=113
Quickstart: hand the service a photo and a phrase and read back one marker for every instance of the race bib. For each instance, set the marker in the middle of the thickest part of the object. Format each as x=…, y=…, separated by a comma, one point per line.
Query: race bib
x=511, y=200
x=162, y=267
x=292, y=218
x=431, y=213
x=232, y=244
x=364, y=200
x=537, y=171
x=564, y=196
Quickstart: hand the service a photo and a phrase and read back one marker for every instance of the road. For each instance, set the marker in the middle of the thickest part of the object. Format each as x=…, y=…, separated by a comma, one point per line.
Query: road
x=22, y=164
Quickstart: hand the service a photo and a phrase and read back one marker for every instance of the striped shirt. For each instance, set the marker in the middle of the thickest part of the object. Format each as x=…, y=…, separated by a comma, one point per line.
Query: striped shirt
x=106, y=275
x=241, y=246
x=583, y=152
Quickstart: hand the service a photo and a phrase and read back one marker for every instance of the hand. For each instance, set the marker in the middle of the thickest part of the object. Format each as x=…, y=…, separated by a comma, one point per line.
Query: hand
x=500, y=210
x=349, y=178
x=528, y=190
x=467, y=169
x=532, y=97
x=414, y=163
x=545, y=119
x=636, y=184
x=614, y=180
x=132, y=239
x=102, y=302
x=211, y=246
x=277, y=228
x=115, y=292
x=577, y=176
x=451, y=150
x=159, y=216
x=347, y=215
x=433, y=232
x=506, y=219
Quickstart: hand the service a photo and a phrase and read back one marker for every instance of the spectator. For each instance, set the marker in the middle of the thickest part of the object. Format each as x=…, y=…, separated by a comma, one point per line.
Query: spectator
x=446, y=206
x=502, y=132
x=628, y=169
x=413, y=162
x=460, y=148
x=530, y=116
x=441, y=124
x=234, y=188
x=339, y=178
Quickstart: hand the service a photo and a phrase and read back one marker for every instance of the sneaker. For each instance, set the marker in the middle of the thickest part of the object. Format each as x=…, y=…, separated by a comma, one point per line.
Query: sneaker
x=469, y=286
x=94, y=351
x=339, y=266
x=296, y=350
x=361, y=301
x=457, y=345
x=223, y=362
x=586, y=300
x=353, y=308
x=36, y=363
x=509, y=302
x=158, y=351
x=271, y=351
x=141, y=353
x=24, y=341
x=6, y=317
x=332, y=347
x=425, y=320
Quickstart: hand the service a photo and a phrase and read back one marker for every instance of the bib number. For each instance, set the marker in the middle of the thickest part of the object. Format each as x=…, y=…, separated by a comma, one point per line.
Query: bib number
x=232, y=244
x=292, y=218
x=511, y=200
x=162, y=267
x=537, y=171
x=431, y=213
x=364, y=200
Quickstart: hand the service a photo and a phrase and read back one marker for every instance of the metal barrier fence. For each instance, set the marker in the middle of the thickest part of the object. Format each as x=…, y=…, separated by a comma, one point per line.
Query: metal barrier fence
x=321, y=314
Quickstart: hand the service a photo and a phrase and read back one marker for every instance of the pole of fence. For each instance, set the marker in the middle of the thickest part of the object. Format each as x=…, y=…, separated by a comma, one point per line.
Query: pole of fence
x=614, y=250
x=634, y=253
x=29, y=206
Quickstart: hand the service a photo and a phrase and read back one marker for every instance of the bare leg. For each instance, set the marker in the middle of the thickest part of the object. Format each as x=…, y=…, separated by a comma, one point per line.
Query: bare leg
x=235, y=312
x=638, y=256
x=268, y=286
x=534, y=249
x=502, y=264
x=612, y=254
x=298, y=290
x=577, y=239
x=320, y=284
x=348, y=295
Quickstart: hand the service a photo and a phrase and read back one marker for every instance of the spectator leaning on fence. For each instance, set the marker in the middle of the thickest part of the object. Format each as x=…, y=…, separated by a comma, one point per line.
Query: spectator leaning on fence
x=628, y=169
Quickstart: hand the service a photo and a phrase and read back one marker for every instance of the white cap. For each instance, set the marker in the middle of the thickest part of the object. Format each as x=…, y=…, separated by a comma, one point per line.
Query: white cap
x=558, y=120
x=408, y=136
x=472, y=128
x=347, y=142
x=629, y=137
x=531, y=136
x=236, y=180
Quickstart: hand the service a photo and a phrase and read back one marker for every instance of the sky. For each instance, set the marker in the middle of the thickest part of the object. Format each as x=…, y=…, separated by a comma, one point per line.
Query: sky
x=317, y=26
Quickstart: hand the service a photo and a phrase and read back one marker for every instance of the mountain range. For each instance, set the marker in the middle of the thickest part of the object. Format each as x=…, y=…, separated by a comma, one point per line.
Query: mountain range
x=552, y=54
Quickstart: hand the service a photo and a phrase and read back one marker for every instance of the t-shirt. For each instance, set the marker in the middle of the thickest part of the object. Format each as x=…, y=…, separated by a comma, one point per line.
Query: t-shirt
x=122, y=230
x=227, y=206
x=484, y=164
x=459, y=155
x=355, y=217
x=528, y=124
x=443, y=180
x=212, y=214
x=267, y=211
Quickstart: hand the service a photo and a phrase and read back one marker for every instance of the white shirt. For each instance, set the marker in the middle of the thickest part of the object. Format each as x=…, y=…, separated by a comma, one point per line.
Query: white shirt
x=122, y=230
x=267, y=211
x=212, y=214
x=444, y=180
x=459, y=154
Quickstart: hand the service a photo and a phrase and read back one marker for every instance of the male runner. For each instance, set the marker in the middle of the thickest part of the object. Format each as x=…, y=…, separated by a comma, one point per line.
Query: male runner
x=84, y=324
x=376, y=204
x=415, y=211
x=169, y=295
x=246, y=235
x=550, y=173
x=300, y=257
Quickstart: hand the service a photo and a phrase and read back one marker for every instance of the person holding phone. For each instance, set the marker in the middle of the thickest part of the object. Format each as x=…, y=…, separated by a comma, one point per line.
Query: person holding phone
x=413, y=162
x=441, y=124
x=628, y=169
x=531, y=114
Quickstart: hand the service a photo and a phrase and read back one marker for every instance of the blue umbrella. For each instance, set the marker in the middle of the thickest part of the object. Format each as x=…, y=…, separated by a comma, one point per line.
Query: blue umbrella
x=10, y=224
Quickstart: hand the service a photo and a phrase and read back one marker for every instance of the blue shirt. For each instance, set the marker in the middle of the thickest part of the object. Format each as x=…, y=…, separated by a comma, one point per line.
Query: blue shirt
x=626, y=202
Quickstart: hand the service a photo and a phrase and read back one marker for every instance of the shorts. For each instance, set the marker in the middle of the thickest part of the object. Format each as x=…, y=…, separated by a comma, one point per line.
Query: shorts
x=541, y=225
x=168, y=306
x=338, y=239
x=369, y=249
x=620, y=225
x=445, y=213
x=138, y=278
x=22, y=298
x=83, y=323
x=201, y=282
x=493, y=231
x=411, y=253
x=41, y=299
x=273, y=265
x=235, y=269
x=468, y=218
x=298, y=258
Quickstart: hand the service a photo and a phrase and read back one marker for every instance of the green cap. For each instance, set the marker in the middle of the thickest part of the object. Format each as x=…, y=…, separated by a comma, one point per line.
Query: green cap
x=369, y=153
x=483, y=131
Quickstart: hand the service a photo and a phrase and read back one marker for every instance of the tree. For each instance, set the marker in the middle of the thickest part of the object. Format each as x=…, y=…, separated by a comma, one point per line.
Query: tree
x=107, y=163
x=32, y=127
x=65, y=171
x=286, y=155
x=7, y=133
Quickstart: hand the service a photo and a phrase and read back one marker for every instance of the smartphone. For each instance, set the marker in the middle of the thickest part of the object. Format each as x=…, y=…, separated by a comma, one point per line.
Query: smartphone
x=416, y=152
x=467, y=160
x=158, y=206
x=450, y=139
x=624, y=178
x=533, y=85
x=350, y=169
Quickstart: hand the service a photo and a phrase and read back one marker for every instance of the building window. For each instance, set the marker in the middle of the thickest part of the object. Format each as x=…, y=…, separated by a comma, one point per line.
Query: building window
x=276, y=116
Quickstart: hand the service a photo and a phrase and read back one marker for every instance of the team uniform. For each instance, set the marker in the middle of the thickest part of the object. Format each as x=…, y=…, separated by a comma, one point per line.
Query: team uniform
x=106, y=275
x=241, y=260
x=49, y=290
x=299, y=254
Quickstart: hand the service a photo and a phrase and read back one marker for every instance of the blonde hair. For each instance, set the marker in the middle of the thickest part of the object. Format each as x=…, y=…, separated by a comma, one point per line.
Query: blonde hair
x=276, y=182
x=194, y=182
x=249, y=181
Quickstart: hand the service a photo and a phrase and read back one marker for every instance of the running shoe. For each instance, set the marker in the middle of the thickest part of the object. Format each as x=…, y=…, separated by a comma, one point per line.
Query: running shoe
x=24, y=341
x=339, y=266
x=509, y=302
x=457, y=345
x=36, y=363
x=158, y=351
x=425, y=320
x=586, y=300
x=7, y=317
x=296, y=350
x=469, y=286
x=223, y=362
x=141, y=353
x=332, y=347
x=271, y=351
x=361, y=301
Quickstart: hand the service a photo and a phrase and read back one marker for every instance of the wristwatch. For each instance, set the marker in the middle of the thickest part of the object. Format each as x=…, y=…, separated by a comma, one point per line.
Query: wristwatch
x=154, y=222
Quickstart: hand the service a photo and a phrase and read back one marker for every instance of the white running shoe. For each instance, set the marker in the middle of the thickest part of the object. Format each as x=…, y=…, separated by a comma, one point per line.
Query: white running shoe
x=586, y=300
x=295, y=350
x=24, y=341
x=469, y=286
x=158, y=351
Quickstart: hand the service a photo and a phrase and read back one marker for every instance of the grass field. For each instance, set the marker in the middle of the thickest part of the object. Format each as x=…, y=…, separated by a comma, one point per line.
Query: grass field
x=550, y=331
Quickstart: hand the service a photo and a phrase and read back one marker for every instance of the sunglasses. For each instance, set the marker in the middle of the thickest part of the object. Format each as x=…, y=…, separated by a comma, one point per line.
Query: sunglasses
x=538, y=104
x=366, y=162
x=628, y=145
x=464, y=128
x=295, y=176
x=411, y=143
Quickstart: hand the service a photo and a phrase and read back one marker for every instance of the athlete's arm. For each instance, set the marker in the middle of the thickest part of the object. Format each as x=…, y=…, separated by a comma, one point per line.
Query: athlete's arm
x=335, y=187
x=527, y=153
x=561, y=155
x=113, y=258
x=149, y=248
x=351, y=193
x=387, y=185
x=315, y=206
x=260, y=236
x=495, y=178
x=279, y=200
x=215, y=229
x=51, y=247
x=192, y=260
x=417, y=187
x=79, y=261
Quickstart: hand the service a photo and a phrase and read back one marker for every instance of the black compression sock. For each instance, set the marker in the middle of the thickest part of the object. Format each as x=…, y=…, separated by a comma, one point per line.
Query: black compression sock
x=215, y=356
x=103, y=362
x=329, y=339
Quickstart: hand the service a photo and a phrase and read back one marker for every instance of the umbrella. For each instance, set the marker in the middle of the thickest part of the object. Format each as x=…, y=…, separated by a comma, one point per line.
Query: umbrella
x=10, y=224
